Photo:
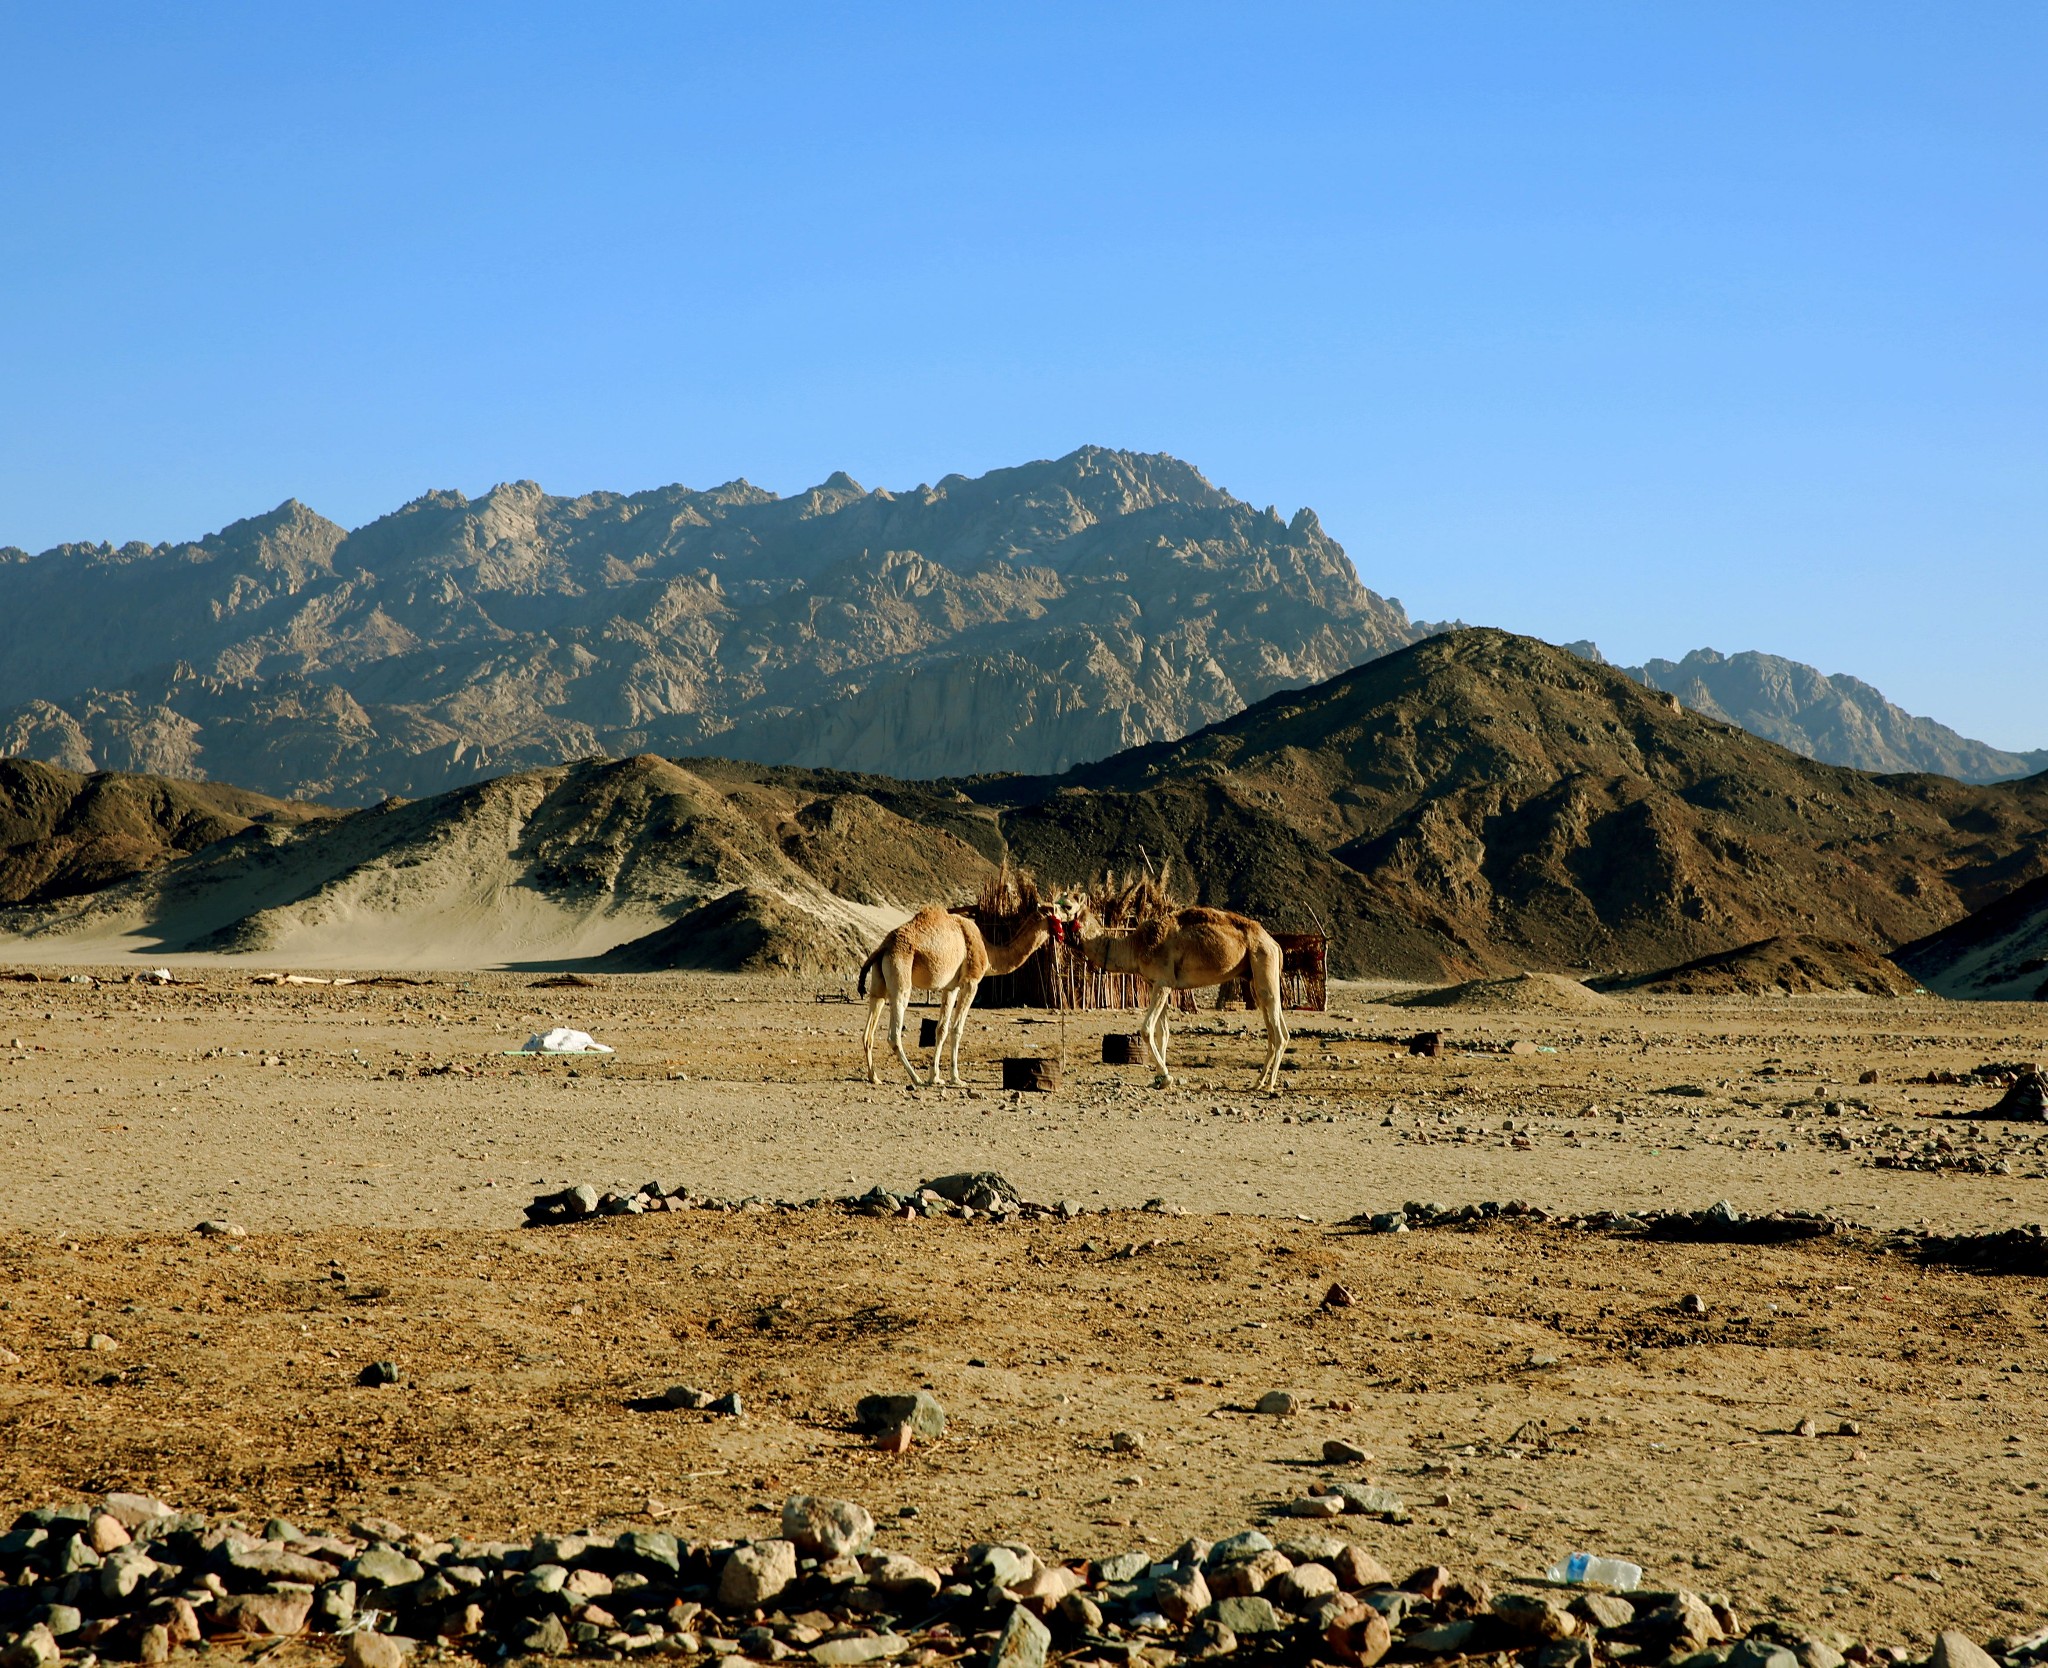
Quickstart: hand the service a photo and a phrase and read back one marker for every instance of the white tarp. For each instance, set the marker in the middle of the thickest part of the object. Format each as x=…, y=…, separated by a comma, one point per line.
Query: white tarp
x=562, y=1040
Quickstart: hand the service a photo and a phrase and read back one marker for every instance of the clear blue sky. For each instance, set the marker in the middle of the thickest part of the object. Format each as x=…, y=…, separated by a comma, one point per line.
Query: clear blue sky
x=1661, y=324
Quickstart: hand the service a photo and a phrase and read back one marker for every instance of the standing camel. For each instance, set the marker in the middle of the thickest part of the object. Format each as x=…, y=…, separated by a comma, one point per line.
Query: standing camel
x=938, y=950
x=1192, y=949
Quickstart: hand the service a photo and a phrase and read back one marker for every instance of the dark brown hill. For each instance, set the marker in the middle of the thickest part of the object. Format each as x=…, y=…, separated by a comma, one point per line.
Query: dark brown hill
x=63, y=834
x=1793, y=965
x=1504, y=803
x=1475, y=805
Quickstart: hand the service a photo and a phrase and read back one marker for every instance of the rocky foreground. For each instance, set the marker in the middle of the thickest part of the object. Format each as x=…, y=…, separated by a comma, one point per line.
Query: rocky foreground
x=129, y=1578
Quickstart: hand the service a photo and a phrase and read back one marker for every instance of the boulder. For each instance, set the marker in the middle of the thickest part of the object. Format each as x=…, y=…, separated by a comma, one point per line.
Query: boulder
x=755, y=1573
x=823, y=1528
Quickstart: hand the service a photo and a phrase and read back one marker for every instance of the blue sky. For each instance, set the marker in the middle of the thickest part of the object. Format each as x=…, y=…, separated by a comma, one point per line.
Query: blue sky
x=1662, y=324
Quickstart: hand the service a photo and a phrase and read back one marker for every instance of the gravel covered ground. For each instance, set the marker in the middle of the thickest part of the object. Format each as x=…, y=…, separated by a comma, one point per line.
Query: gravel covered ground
x=1526, y=1390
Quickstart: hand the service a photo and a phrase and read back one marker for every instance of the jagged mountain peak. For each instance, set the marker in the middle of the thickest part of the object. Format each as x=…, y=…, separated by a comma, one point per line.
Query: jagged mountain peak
x=1021, y=619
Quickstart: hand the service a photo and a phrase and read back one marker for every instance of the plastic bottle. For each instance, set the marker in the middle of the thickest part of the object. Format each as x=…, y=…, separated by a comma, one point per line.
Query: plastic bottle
x=1582, y=1569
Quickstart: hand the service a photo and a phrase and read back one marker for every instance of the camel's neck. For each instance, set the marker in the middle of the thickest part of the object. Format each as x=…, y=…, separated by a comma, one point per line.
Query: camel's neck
x=1015, y=952
x=1107, y=950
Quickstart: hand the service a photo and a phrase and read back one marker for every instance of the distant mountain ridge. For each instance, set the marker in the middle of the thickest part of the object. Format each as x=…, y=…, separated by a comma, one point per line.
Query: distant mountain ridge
x=1024, y=620
x=1027, y=620
x=1831, y=717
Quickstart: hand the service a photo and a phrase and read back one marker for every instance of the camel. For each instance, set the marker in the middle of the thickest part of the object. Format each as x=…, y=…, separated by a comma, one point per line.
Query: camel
x=938, y=950
x=1193, y=949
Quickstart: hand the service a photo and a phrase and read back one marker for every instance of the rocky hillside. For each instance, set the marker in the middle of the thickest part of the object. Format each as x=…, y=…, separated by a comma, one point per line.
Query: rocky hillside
x=1999, y=953
x=1835, y=718
x=63, y=835
x=1473, y=805
x=1024, y=620
x=1483, y=801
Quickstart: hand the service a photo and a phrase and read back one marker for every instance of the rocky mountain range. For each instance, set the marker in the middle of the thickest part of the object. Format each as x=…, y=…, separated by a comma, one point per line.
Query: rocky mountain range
x=1472, y=804
x=1024, y=620
x=1834, y=718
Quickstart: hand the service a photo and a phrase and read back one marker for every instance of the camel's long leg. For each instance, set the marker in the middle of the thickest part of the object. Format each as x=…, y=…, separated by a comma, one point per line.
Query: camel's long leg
x=945, y=1030
x=875, y=1004
x=899, y=1002
x=1154, y=1013
x=1266, y=982
x=960, y=1029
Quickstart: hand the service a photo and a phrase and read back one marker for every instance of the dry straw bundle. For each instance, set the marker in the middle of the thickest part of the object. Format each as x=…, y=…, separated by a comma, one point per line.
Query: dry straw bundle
x=1067, y=981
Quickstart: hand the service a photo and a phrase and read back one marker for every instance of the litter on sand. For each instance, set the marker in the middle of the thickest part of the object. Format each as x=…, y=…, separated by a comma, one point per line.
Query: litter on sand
x=562, y=1040
x=296, y=979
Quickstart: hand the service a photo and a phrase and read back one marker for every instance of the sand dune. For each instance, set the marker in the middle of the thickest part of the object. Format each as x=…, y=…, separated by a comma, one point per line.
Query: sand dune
x=541, y=867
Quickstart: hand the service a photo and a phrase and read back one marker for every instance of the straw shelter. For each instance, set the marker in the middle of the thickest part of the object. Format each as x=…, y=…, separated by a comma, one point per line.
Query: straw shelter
x=1056, y=977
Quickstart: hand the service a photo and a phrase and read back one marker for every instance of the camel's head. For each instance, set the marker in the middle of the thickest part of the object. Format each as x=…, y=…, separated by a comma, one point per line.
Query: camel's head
x=1061, y=916
x=1066, y=917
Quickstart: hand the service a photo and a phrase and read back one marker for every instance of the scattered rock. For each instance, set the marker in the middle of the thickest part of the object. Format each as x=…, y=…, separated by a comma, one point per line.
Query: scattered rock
x=279, y=1615
x=1358, y=1635
x=1303, y=1586
x=36, y=1648
x=1022, y=1643
x=1604, y=1610
x=1183, y=1595
x=377, y=1650
x=864, y=1647
x=1127, y=1442
x=547, y=1637
x=1339, y=1452
x=1529, y=1616
x=1356, y=1568
x=1079, y=1613
x=755, y=1573
x=1959, y=1650
x=385, y=1566
x=1445, y=1639
x=1371, y=1502
x=1278, y=1402
x=826, y=1528
x=1339, y=1296
x=118, y=1579
x=1685, y=1624
x=220, y=1228
x=1128, y=1566
x=1316, y=1506
x=918, y=1412
x=1251, y=1614
x=379, y=1373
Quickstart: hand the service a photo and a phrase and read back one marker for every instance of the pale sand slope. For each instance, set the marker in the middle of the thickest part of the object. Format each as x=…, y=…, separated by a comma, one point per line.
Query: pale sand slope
x=546, y=866
x=120, y=1109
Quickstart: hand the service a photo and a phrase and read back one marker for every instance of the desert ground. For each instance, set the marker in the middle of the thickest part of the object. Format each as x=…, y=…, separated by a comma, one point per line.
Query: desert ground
x=1527, y=1389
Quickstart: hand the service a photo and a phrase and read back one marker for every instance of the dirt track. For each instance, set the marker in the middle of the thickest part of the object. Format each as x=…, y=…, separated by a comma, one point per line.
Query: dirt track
x=1666, y=1436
